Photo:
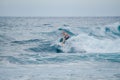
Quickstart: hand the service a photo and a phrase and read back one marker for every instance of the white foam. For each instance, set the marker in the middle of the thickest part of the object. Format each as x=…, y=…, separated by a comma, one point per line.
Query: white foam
x=90, y=44
x=94, y=39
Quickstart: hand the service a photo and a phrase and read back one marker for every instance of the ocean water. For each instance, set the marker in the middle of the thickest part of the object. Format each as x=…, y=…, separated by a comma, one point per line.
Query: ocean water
x=29, y=48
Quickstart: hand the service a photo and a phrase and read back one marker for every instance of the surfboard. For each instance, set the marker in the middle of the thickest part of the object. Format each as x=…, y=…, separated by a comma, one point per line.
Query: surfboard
x=59, y=48
x=61, y=40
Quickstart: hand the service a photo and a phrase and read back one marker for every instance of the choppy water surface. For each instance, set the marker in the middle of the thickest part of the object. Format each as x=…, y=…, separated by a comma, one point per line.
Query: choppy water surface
x=29, y=51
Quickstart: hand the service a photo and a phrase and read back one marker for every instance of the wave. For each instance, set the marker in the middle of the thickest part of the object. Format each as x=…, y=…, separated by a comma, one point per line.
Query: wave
x=82, y=40
x=96, y=39
x=27, y=41
x=35, y=45
x=59, y=58
x=5, y=38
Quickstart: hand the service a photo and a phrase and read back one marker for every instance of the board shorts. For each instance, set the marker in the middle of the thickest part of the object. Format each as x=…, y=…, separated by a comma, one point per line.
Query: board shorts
x=66, y=38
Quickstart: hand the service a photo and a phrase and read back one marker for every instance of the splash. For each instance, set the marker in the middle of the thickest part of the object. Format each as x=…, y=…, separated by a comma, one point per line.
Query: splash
x=96, y=39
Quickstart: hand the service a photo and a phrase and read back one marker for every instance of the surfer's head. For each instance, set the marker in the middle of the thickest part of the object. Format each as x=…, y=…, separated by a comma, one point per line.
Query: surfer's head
x=64, y=33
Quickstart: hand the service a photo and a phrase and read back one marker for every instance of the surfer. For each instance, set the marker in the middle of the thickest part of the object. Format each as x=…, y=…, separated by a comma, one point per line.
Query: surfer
x=65, y=37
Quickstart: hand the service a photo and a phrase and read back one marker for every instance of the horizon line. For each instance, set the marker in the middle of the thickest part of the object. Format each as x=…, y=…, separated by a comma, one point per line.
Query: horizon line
x=60, y=16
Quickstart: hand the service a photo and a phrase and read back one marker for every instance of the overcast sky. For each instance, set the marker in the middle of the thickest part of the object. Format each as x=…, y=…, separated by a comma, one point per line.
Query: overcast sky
x=59, y=8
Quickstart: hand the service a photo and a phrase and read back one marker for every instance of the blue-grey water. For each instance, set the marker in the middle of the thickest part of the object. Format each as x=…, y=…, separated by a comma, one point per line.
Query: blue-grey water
x=29, y=48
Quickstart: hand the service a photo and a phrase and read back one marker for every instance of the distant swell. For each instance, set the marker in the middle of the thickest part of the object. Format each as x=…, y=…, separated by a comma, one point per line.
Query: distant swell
x=26, y=41
x=47, y=58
